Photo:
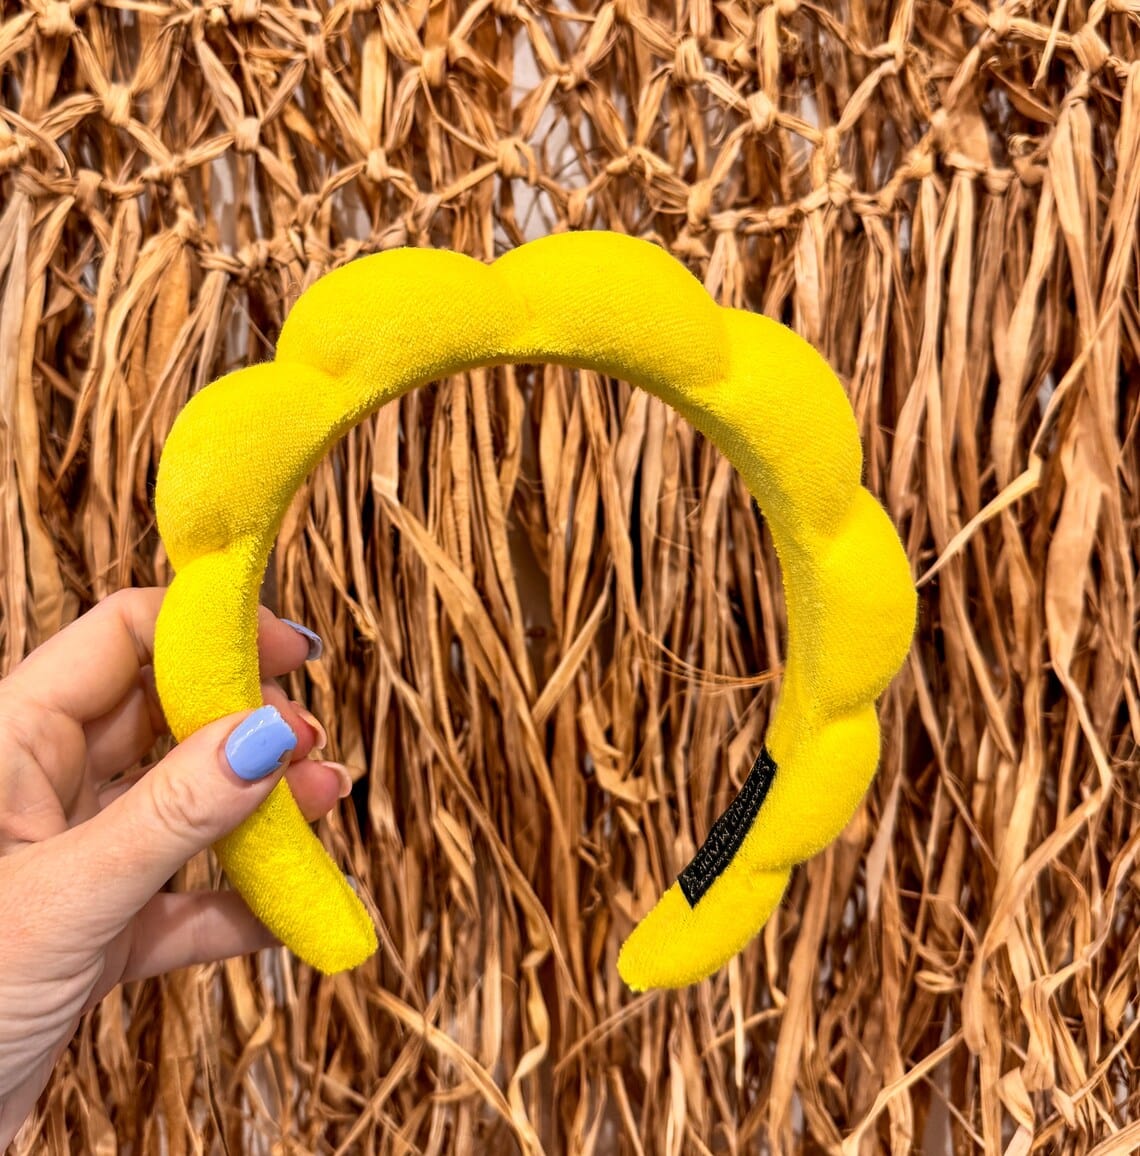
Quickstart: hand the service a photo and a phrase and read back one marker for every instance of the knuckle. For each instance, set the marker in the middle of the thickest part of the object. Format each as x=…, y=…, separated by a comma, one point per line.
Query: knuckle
x=117, y=599
x=180, y=808
x=118, y=604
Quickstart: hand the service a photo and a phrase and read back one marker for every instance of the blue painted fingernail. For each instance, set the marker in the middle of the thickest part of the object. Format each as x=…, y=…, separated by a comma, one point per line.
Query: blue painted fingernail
x=258, y=746
x=316, y=646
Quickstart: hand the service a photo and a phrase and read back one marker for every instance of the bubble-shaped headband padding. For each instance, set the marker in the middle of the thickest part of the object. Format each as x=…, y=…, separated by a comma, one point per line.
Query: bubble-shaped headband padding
x=368, y=332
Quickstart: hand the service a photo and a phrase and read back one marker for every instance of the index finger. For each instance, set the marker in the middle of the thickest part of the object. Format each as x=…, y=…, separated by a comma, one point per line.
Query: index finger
x=87, y=669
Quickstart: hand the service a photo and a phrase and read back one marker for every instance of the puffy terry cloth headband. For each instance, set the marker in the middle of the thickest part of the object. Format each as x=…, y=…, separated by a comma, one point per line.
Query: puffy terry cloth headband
x=381, y=325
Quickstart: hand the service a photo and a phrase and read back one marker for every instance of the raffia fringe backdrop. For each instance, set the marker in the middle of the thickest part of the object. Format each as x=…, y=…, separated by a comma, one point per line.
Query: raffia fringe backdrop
x=944, y=200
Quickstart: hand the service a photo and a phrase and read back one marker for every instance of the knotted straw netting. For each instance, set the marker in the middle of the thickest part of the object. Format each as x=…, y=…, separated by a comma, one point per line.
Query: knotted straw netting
x=533, y=575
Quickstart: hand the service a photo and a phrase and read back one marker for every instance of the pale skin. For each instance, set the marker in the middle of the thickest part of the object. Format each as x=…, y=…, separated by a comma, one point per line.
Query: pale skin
x=85, y=851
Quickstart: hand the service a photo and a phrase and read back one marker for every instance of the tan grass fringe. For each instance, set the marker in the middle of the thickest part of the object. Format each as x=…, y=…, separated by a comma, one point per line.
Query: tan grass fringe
x=541, y=586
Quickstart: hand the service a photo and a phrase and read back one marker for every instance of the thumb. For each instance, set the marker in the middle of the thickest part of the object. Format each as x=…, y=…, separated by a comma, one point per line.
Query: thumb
x=201, y=791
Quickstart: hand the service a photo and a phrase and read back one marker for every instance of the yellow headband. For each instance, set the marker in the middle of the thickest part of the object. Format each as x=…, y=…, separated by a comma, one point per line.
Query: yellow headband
x=365, y=334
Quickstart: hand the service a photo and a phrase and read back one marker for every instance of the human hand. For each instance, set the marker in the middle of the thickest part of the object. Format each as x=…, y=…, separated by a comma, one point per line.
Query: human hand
x=85, y=853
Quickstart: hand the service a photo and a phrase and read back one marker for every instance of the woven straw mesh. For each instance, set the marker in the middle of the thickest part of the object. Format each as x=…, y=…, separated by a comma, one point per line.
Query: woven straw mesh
x=548, y=603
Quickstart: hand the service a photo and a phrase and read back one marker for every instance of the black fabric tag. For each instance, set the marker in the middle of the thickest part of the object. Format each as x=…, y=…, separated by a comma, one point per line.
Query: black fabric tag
x=728, y=832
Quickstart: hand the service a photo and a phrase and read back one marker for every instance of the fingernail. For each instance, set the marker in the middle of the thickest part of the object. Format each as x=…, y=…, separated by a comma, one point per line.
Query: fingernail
x=342, y=772
x=259, y=745
x=322, y=739
x=316, y=646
